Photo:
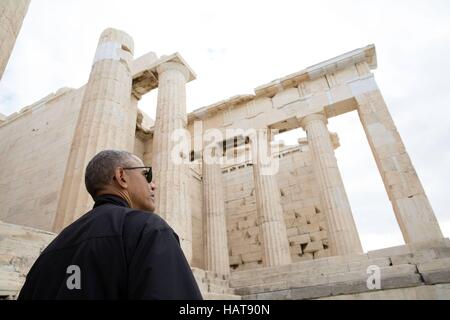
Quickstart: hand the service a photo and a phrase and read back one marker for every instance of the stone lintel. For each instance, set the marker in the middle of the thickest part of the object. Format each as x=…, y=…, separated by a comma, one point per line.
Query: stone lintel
x=366, y=54
x=201, y=113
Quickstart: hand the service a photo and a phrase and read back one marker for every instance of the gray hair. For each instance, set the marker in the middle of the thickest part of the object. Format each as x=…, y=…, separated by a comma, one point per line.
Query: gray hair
x=100, y=170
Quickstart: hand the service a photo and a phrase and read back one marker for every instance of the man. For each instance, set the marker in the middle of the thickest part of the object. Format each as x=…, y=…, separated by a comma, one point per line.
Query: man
x=119, y=249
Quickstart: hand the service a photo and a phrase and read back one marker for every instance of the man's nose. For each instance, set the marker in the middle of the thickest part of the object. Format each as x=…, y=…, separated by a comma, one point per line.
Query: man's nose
x=152, y=186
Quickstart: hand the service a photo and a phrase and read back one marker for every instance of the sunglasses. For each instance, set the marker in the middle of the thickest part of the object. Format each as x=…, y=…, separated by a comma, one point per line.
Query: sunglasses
x=147, y=173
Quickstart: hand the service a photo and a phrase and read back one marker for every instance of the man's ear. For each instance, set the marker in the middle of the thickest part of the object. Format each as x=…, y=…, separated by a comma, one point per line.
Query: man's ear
x=121, y=178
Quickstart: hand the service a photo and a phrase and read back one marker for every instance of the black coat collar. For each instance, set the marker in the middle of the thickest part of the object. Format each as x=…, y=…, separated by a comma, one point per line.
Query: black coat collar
x=109, y=198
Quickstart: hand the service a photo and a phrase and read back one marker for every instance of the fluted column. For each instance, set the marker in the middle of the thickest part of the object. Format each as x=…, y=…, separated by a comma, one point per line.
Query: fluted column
x=216, y=242
x=268, y=201
x=342, y=232
x=411, y=206
x=171, y=168
x=101, y=124
x=12, y=13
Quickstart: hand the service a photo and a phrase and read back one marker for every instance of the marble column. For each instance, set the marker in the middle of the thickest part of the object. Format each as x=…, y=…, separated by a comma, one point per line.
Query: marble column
x=342, y=232
x=100, y=124
x=268, y=201
x=12, y=14
x=216, y=242
x=131, y=119
x=411, y=206
x=171, y=169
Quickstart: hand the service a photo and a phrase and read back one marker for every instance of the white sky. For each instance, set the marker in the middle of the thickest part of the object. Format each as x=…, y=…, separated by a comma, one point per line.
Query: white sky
x=235, y=46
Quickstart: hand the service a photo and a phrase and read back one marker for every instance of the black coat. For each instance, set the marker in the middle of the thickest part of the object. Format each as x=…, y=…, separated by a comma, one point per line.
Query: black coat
x=113, y=252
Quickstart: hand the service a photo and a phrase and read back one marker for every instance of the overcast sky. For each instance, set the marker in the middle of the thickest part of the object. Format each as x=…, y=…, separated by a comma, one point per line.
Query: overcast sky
x=235, y=46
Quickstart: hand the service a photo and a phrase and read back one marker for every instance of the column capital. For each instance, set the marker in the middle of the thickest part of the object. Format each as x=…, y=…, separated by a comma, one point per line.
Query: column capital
x=168, y=66
x=312, y=117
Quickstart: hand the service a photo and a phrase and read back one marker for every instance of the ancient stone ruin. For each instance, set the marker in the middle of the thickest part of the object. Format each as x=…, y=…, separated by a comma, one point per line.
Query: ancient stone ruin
x=289, y=234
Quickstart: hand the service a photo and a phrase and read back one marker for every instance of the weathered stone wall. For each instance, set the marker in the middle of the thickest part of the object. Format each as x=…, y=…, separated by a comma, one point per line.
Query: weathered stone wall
x=304, y=219
x=19, y=248
x=34, y=149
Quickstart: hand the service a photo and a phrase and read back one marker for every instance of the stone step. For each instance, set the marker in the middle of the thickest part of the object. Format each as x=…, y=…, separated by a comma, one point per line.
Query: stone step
x=211, y=282
x=27, y=234
x=433, y=292
x=20, y=247
x=410, y=254
x=215, y=296
x=10, y=282
x=404, y=275
x=325, y=266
